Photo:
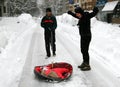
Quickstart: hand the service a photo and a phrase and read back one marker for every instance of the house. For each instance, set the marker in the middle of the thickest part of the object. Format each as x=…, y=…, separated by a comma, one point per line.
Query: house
x=85, y=4
x=88, y=4
x=111, y=12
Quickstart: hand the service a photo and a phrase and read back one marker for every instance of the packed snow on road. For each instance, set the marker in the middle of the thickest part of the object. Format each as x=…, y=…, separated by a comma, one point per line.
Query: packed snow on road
x=22, y=48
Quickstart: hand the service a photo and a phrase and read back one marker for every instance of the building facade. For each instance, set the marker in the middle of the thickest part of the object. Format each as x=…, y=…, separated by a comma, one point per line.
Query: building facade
x=3, y=8
x=85, y=4
x=88, y=4
x=112, y=16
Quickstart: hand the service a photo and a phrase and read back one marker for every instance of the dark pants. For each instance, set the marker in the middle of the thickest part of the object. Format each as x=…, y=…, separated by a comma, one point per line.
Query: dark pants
x=50, y=40
x=85, y=42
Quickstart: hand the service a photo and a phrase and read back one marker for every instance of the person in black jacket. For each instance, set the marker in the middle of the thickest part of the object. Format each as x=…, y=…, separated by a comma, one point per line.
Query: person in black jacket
x=49, y=24
x=85, y=33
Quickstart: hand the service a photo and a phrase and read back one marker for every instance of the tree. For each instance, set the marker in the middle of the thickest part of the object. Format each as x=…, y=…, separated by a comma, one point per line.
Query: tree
x=23, y=6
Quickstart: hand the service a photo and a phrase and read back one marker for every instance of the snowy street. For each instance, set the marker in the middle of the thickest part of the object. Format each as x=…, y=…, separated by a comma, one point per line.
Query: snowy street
x=30, y=52
x=68, y=51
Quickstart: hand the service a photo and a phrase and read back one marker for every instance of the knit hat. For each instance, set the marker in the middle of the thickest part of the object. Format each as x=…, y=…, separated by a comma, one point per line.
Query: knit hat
x=79, y=10
x=48, y=10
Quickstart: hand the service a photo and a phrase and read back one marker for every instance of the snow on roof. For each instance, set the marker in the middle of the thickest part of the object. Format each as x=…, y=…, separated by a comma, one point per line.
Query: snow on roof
x=109, y=6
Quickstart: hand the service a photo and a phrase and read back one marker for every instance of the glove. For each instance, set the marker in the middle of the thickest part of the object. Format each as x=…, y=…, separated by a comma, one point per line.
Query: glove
x=95, y=9
x=69, y=12
x=49, y=29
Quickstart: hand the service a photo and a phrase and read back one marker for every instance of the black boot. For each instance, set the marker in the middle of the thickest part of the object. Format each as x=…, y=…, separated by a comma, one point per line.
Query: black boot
x=54, y=54
x=82, y=65
x=48, y=54
x=86, y=67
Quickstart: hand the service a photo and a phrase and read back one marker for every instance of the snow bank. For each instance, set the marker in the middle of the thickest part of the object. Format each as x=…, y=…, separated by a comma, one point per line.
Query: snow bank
x=26, y=18
x=15, y=37
x=3, y=38
x=12, y=28
x=65, y=18
x=106, y=43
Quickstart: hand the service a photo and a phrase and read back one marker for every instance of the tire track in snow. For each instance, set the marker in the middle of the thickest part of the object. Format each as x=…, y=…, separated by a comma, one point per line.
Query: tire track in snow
x=35, y=57
x=74, y=52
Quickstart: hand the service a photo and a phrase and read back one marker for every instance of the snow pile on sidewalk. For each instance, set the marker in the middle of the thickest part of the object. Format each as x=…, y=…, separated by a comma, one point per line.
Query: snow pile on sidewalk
x=15, y=37
x=26, y=18
x=3, y=38
x=12, y=28
x=67, y=19
x=106, y=43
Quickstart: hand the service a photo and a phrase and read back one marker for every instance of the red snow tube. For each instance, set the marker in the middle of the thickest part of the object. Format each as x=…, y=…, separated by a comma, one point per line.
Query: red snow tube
x=54, y=72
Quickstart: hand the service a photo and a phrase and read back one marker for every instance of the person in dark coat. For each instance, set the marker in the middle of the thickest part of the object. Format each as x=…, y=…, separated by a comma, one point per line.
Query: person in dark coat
x=85, y=33
x=49, y=24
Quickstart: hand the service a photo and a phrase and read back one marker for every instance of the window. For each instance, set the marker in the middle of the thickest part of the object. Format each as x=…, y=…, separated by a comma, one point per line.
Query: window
x=4, y=9
x=0, y=11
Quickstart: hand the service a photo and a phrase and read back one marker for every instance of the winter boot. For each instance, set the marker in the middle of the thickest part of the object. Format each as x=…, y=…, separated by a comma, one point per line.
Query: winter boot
x=48, y=54
x=86, y=67
x=54, y=54
x=82, y=65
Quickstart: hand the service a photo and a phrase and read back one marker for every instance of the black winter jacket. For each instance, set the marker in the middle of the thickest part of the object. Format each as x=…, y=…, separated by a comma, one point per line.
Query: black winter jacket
x=84, y=22
x=49, y=22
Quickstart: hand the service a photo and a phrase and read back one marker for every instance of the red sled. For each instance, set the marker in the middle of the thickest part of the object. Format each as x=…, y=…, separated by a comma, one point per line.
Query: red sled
x=54, y=72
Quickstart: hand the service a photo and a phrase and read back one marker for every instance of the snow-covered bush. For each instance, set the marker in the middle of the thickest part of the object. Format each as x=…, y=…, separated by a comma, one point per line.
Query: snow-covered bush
x=26, y=18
